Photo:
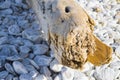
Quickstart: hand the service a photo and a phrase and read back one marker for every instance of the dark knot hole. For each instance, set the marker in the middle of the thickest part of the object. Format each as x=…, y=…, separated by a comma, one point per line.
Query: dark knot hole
x=67, y=9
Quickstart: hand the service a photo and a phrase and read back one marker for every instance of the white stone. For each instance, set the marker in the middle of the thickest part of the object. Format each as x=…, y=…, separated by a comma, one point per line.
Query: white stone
x=79, y=76
x=117, y=51
x=40, y=77
x=105, y=74
x=115, y=65
x=58, y=77
x=55, y=66
x=67, y=73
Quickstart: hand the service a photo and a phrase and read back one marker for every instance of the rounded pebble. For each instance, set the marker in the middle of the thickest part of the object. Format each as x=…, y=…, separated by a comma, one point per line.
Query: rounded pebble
x=42, y=60
x=55, y=66
x=14, y=30
x=19, y=67
x=40, y=49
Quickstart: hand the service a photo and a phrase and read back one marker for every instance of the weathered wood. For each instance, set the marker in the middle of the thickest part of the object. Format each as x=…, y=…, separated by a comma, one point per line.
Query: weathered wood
x=69, y=31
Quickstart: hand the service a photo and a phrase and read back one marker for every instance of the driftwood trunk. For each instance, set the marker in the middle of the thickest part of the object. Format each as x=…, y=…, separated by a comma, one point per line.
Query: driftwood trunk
x=69, y=31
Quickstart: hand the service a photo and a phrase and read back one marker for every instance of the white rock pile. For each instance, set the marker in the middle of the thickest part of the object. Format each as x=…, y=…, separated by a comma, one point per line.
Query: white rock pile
x=24, y=55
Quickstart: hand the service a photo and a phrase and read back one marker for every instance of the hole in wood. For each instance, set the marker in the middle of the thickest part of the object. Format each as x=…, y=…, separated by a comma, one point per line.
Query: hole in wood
x=67, y=9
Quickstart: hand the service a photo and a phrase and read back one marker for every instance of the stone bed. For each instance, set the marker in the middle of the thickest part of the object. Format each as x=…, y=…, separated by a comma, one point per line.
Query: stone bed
x=25, y=55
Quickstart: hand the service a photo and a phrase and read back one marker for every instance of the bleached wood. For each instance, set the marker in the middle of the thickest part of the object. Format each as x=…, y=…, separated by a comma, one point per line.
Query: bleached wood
x=69, y=31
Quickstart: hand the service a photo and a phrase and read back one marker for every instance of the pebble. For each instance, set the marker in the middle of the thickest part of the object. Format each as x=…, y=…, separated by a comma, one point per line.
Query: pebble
x=44, y=70
x=24, y=24
x=30, y=68
x=27, y=43
x=58, y=77
x=4, y=5
x=24, y=49
x=79, y=76
x=2, y=61
x=3, y=34
x=14, y=30
x=67, y=73
x=18, y=1
x=25, y=77
x=9, y=68
x=40, y=49
x=6, y=11
x=117, y=51
x=55, y=66
x=40, y=77
x=15, y=78
x=115, y=65
x=13, y=49
x=34, y=64
x=3, y=74
x=105, y=74
x=42, y=60
x=14, y=58
x=34, y=36
x=19, y=67
x=31, y=55
x=5, y=50
x=9, y=77
x=3, y=40
x=33, y=73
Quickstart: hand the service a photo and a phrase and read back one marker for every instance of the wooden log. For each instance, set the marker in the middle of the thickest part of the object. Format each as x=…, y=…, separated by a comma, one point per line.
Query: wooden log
x=69, y=31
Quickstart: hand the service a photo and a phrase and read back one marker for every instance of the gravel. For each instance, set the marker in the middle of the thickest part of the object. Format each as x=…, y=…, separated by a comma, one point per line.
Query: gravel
x=24, y=54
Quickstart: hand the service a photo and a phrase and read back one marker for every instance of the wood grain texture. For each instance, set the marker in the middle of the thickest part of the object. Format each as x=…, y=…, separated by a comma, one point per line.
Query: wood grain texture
x=69, y=31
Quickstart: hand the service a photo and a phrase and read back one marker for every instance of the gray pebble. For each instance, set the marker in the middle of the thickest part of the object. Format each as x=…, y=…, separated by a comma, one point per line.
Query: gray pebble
x=2, y=61
x=14, y=30
x=30, y=68
x=19, y=67
x=32, y=35
x=24, y=49
x=15, y=78
x=25, y=77
x=18, y=1
x=44, y=70
x=78, y=75
x=16, y=41
x=40, y=77
x=40, y=49
x=3, y=74
x=5, y=4
x=9, y=77
x=3, y=40
x=35, y=26
x=26, y=61
x=13, y=49
x=27, y=43
x=5, y=50
x=6, y=11
x=33, y=73
x=31, y=55
x=23, y=24
x=14, y=58
x=3, y=33
x=34, y=64
x=9, y=68
x=42, y=60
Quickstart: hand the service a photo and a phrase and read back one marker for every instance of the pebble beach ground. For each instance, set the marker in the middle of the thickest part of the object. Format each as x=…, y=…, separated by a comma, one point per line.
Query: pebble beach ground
x=24, y=55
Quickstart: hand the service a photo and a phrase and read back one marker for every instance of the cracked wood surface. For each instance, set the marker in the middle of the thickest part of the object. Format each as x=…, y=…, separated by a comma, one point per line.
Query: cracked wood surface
x=69, y=31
